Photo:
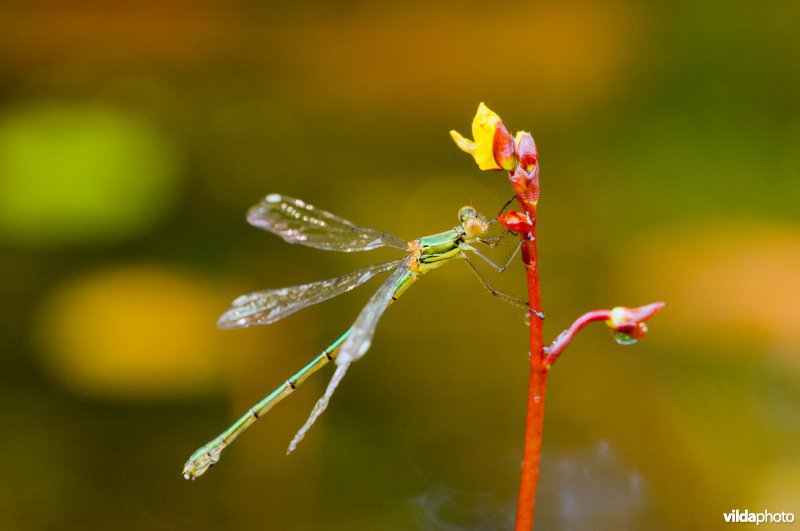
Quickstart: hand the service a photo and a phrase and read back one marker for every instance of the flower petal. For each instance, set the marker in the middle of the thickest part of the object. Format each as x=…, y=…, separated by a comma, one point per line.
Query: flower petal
x=464, y=144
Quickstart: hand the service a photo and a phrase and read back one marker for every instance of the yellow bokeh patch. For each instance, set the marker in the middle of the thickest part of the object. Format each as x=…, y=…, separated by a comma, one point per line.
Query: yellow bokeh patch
x=133, y=332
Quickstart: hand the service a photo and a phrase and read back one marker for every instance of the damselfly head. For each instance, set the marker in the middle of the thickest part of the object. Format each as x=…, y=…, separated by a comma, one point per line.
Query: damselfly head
x=466, y=213
x=474, y=225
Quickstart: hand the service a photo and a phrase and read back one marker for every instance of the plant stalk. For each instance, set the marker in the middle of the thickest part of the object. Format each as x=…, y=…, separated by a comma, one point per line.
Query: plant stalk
x=534, y=423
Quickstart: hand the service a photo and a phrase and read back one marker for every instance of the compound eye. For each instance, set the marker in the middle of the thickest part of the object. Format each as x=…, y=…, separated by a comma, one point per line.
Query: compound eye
x=467, y=212
x=474, y=227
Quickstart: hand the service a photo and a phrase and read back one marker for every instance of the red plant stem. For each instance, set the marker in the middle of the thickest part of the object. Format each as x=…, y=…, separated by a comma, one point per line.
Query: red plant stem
x=537, y=386
x=565, y=337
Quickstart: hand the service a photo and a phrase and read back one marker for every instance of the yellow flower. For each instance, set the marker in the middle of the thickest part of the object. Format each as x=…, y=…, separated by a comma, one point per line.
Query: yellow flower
x=490, y=137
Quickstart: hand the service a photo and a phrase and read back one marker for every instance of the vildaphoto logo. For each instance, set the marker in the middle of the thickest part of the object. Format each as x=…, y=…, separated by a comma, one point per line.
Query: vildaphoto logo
x=746, y=517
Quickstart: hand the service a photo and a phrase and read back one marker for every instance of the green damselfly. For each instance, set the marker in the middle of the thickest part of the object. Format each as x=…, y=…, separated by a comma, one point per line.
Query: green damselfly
x=298, y=222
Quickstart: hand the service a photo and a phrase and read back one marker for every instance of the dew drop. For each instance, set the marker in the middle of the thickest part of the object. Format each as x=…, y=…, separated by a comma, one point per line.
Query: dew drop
x=622, y=338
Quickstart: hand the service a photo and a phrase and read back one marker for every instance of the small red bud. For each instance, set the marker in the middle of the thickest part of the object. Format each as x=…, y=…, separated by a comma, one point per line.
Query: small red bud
x=527, y=155
x=627, y=324
x=526, y=186
x=643, y=313
x=503, y=148
x=515, y=221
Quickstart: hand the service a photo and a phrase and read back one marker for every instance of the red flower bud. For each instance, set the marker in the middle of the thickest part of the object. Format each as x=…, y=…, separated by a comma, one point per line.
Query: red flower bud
x=515, y=221
x=627, y=324
x=503, y=147
x=643, y=313
x=527, y=155
x=526, y=186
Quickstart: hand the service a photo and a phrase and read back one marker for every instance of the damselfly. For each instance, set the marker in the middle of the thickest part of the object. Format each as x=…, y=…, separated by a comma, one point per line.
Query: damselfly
x=298, y=222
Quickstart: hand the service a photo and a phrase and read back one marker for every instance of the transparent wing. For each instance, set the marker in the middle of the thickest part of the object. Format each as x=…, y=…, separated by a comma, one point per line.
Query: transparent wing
x=360, y=337
x=268, y=306
x=298, y=222
x=498, y=236
x=319, y=407
x=356, y=344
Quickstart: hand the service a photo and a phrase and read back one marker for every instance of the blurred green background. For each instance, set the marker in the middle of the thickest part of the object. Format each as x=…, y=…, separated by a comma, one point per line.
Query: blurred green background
x=134, y=136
